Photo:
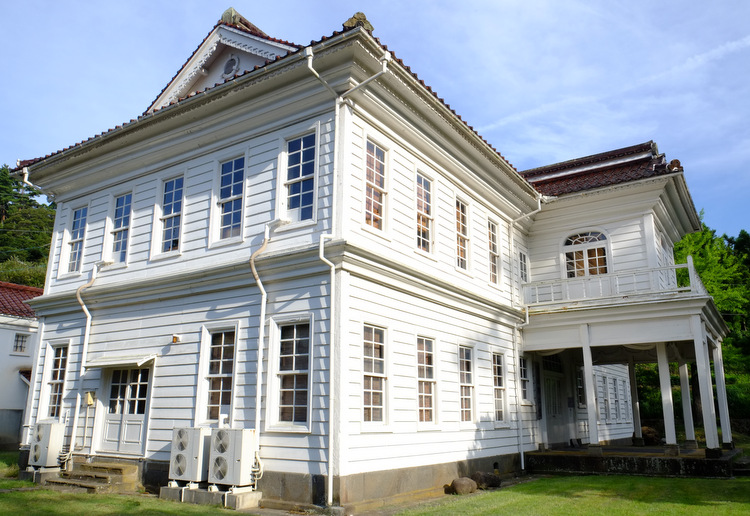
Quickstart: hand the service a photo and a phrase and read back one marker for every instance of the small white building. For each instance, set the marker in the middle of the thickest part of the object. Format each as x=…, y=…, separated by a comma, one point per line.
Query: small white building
x=18, y=334
x=309, y=243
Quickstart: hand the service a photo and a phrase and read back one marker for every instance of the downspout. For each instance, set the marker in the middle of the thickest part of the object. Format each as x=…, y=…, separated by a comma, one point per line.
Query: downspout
x=518, y=326
x=84, y=352
x=339, y=99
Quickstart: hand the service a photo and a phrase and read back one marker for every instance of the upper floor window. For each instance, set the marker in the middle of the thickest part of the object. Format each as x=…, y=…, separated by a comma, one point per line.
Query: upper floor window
x=462, y=234
x=586, y=254
x=20, y=342
x=57, y=380
x=494, y=252
x=375, y=191
x=300, y=177
x=523, y=267
x=77, y=233
x=171, y=215
x=121, y=227
x=424, y=213
x=466, y=381
x=220, y=374
x=230, y=198
x=294, y=372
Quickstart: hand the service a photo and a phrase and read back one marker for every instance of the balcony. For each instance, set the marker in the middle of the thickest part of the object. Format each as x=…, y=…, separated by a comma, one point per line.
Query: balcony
x=653, y=282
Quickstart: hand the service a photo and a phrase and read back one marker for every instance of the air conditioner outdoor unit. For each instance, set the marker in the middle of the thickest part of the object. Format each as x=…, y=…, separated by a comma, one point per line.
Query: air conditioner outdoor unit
x=231, y=457
x=46, y=443
x=188, y=460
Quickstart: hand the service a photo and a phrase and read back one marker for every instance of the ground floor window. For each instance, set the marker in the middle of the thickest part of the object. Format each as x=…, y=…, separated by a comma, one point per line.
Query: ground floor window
x=466, y=381
x=57, y=379
x=374, y=374
x=499, y=384
x=294, y=370
x=426, y=375
x=220, y=373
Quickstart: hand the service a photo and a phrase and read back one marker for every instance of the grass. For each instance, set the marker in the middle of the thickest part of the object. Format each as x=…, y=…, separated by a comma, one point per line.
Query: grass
x=614, y=495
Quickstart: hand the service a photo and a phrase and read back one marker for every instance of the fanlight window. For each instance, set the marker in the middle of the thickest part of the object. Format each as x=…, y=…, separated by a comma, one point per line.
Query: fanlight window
x=586, y=254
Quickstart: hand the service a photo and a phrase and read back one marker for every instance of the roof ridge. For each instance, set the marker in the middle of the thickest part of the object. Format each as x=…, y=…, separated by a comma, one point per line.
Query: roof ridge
x=600, y=157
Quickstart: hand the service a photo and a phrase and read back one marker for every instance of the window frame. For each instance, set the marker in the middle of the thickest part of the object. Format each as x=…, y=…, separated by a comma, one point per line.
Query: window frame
x=285, y=183
x=525, y=380
x=273, y=384
x=462, y=232
x=218, y=203
x=161, y=239
x=54, y=386
x=371, y=375
x=466, y=389
x=368, y=185
x=494, y=253
x=523, y=267
x=25, y=338
x=424, y=219
x=69, y=239
x=424, y=380
x=204, y=374
x=597, y=243
x=113, y=231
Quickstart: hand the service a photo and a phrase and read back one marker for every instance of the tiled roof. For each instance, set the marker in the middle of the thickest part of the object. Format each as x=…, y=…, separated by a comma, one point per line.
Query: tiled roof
x=258, y=33
x=12, y=299
x=600, y=170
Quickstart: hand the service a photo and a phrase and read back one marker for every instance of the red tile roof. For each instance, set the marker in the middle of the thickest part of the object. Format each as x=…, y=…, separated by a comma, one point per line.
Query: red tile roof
x=259, y=33
x=600, y=170
x=12, y=299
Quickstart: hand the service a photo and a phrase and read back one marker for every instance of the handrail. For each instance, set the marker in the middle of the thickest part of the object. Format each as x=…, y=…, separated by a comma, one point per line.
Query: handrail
x=655, y=280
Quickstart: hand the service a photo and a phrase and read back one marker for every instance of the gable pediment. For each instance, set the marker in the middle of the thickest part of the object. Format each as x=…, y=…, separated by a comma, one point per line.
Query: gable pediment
x=226, y=52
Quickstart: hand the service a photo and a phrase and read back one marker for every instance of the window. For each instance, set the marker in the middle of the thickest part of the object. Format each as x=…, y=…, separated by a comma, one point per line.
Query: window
x=375, y=186
x=580, y=388
x=374, y=374
x=57, y=379
x=604, y=399
x=616, y=398
x=128, y=391
x=499, y=381
x=121, y=228
x=424, y=213
x=77, y=232
x=294, y=372
x=230, y=198
x=523, y=373
x=220, y=372
x=171, y=215
x=466, y=383
x=494, y=252
x=19, y=343
x=462, y=235
x=523, y=267
x=300, y=177
x=426, y=375
x=586, y=254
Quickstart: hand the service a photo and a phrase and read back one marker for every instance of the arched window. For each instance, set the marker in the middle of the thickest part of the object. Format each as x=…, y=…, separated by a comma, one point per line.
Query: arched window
x=586, y=254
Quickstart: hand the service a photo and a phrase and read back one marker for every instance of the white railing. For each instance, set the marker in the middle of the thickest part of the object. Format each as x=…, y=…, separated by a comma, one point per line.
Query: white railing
x=659, y=280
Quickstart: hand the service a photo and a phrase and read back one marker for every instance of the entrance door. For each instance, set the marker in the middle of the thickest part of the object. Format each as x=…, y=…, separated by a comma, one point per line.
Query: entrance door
x=125, y=422
x=555, y=410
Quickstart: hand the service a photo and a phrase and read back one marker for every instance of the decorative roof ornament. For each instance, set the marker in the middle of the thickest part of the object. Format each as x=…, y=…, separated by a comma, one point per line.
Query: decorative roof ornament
x=675, y=166
x=232, y=17
x=358, y=20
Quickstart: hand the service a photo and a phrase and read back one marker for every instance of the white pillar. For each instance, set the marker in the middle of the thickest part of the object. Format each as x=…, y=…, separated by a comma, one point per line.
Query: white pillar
x=589, y=385
x=634, y=400
x=704, y=382
x=687, y=409
x=666, y=394
x=721, y=395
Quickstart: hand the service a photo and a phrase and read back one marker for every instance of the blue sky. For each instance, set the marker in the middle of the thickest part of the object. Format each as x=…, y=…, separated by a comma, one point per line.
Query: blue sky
x=542, y=80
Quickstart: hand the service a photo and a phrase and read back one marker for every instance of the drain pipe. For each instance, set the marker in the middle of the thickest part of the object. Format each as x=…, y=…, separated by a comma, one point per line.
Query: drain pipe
x=339, y=99
x=84, y=352
x=331, y=361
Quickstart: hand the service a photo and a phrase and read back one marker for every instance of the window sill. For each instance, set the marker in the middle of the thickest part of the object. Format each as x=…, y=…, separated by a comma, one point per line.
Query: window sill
x=20, y=354
x=375, y=428
x=115, y=266
x=69, y=275
x=288, y=429
x=502, y=425
x=226, y=242
x=291, y=225
x=426, y=255
x=172, y=255
x=380, y=233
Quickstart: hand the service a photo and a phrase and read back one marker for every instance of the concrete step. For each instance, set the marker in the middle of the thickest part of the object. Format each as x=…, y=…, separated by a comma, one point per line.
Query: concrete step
x=99, y=477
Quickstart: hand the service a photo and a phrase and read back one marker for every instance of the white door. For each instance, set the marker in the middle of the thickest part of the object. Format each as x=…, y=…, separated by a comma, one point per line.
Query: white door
x=555, y=410
x=125, y=422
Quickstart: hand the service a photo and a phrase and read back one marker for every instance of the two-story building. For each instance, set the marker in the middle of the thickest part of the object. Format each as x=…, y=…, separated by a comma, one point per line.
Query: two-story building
x=309, y=243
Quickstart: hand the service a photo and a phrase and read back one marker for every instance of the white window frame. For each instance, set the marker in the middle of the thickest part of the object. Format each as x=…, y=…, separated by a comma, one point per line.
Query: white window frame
x=494, y=251
x=462, y=232
x=49, y=380
x=218, y=203
x=424, y=218
x=525, y=379
x=68, y=241
x=112, y=231
x=160, y=240
x=24, y=339
x=523, y=267
x=466, y=380
x=273, y=392
x=581, y=265
x=202, y=404
x=604, y=408
x=580, y=388
x=293, y=215
x=500, y=392
x=426, y=376
x=369, y=214
x=374, y=374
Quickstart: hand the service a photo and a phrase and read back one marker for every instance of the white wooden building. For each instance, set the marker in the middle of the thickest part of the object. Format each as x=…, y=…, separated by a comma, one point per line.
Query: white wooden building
x=407, y=285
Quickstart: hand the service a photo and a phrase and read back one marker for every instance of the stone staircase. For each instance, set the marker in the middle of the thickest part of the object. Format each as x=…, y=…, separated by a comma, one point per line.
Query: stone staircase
x=98, y=477
x=741, y=467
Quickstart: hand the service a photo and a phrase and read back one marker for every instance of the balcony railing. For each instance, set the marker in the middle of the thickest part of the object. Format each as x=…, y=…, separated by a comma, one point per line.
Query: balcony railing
x=659, y=280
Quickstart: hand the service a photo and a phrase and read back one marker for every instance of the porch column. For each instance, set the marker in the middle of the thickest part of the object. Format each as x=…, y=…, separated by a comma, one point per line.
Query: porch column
x=667, y=404
x=704, y=382
x=721, y=395
x=590, y=387
x=687, y=409
x=636, y=406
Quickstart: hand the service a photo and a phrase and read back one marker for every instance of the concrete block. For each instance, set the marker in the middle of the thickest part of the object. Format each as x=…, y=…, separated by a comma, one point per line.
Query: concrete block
x=249, y=500
x=202, y=497
x=171, y=493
